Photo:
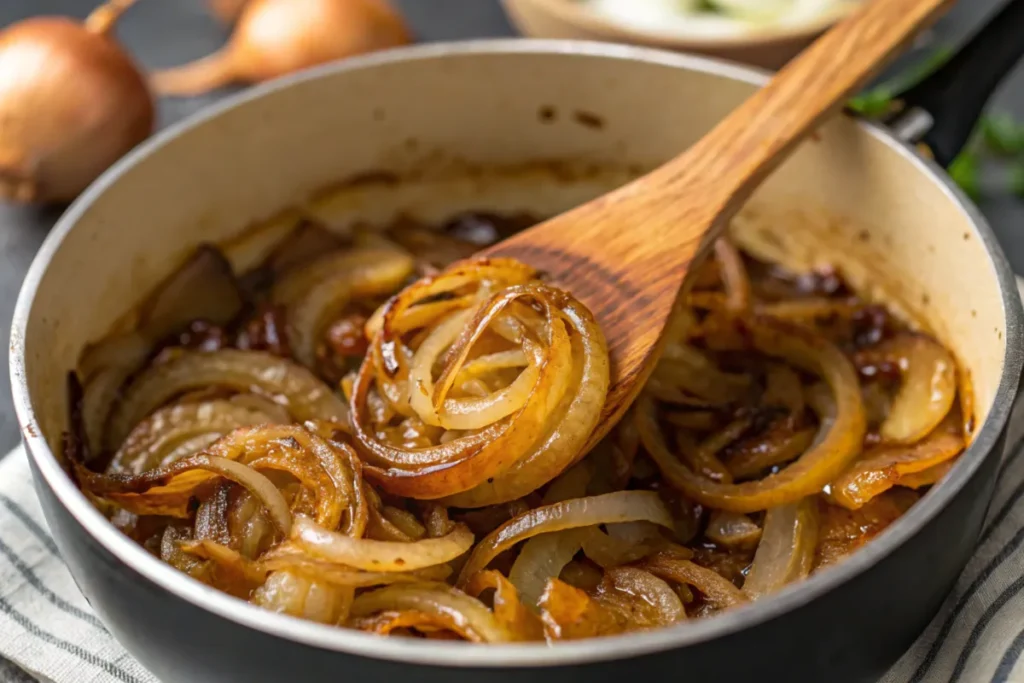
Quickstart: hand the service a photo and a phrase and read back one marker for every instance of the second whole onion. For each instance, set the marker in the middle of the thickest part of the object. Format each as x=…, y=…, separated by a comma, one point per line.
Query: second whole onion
x=276, y=37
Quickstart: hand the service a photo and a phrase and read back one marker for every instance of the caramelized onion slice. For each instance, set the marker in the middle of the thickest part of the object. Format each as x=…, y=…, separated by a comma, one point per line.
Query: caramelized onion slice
x=817, y=467
x=321, y=571
x=786, y=551
x=505, y=439
x=778, y=447
x=686, y=368
x=304, y=395
x=718, y=590
x=926, y=392
x=378, y=556
x=450, y=606
x=645, y=600
x=569, y=427
x=508, y=609
x=168, y=491
x=734, y=275
x=204, y=288
x=628, y=599
x=622, y=506
x=569, y=613
x=609, y=551
x=883, y=467
x=928, y=477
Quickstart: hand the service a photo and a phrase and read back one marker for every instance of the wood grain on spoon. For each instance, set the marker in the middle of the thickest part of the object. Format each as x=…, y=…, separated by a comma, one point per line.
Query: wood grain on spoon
x=625, y=254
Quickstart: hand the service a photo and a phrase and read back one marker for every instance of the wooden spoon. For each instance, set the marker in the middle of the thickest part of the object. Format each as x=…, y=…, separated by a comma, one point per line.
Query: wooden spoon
x=625, y=254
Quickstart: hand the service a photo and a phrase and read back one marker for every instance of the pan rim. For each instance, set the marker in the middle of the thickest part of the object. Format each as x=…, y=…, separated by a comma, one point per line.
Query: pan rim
x=439, y=653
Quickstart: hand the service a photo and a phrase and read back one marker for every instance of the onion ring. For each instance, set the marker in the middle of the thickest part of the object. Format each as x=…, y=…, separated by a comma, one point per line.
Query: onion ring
x=822, y=463
x=623, y=506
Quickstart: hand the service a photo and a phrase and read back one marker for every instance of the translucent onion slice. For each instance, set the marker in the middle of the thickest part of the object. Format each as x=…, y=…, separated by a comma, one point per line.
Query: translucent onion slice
x=354, y=274
x=302, y=596
x=304, y=395
x=622, y=506
x=817, y=467
x=786, y=551
x=717, y=590
x=927, y=390
x=451, y=607
x=381, y=556
x=544, y=557
x=883, y=467
x=105, y=368
x=329, y=470
x=811, y=309
x=783, y=388
x=370, y=269
x=157, y=441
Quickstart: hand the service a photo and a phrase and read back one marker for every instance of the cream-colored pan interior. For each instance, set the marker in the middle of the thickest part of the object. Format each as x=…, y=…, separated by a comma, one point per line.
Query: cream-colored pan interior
x=489, y=129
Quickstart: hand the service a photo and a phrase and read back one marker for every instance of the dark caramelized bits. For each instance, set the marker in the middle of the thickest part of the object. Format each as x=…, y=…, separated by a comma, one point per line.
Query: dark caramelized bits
x=344, y=346
x=203, y=336
x=483, y=229
x=265, y=331
x=871, y=325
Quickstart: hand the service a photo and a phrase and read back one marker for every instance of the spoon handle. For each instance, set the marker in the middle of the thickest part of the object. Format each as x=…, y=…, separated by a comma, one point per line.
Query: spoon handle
x=726, y=165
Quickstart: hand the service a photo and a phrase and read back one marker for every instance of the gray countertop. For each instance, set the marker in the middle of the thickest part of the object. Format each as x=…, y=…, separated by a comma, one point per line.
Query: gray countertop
x=166, y=32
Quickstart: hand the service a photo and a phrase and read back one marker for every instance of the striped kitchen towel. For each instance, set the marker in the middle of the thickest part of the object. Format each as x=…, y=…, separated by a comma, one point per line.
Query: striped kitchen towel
x=48, y=630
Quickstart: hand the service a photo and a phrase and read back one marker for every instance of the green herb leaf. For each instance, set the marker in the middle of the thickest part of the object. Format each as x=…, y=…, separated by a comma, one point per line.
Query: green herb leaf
x=873, y=103
x=1002, y=135
x=881, y=99
x=1017, y=179
x=965, y=172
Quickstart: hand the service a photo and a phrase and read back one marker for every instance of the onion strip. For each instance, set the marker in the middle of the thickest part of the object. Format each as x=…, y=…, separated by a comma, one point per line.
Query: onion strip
x=379, y=556
x=470, y=616
x=623, y=506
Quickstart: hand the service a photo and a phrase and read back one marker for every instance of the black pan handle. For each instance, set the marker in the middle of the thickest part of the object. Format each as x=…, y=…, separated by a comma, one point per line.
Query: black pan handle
x=942, y=109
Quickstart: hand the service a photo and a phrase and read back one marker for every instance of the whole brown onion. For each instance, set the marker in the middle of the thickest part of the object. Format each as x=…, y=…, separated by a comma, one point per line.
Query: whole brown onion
x=72, y=103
